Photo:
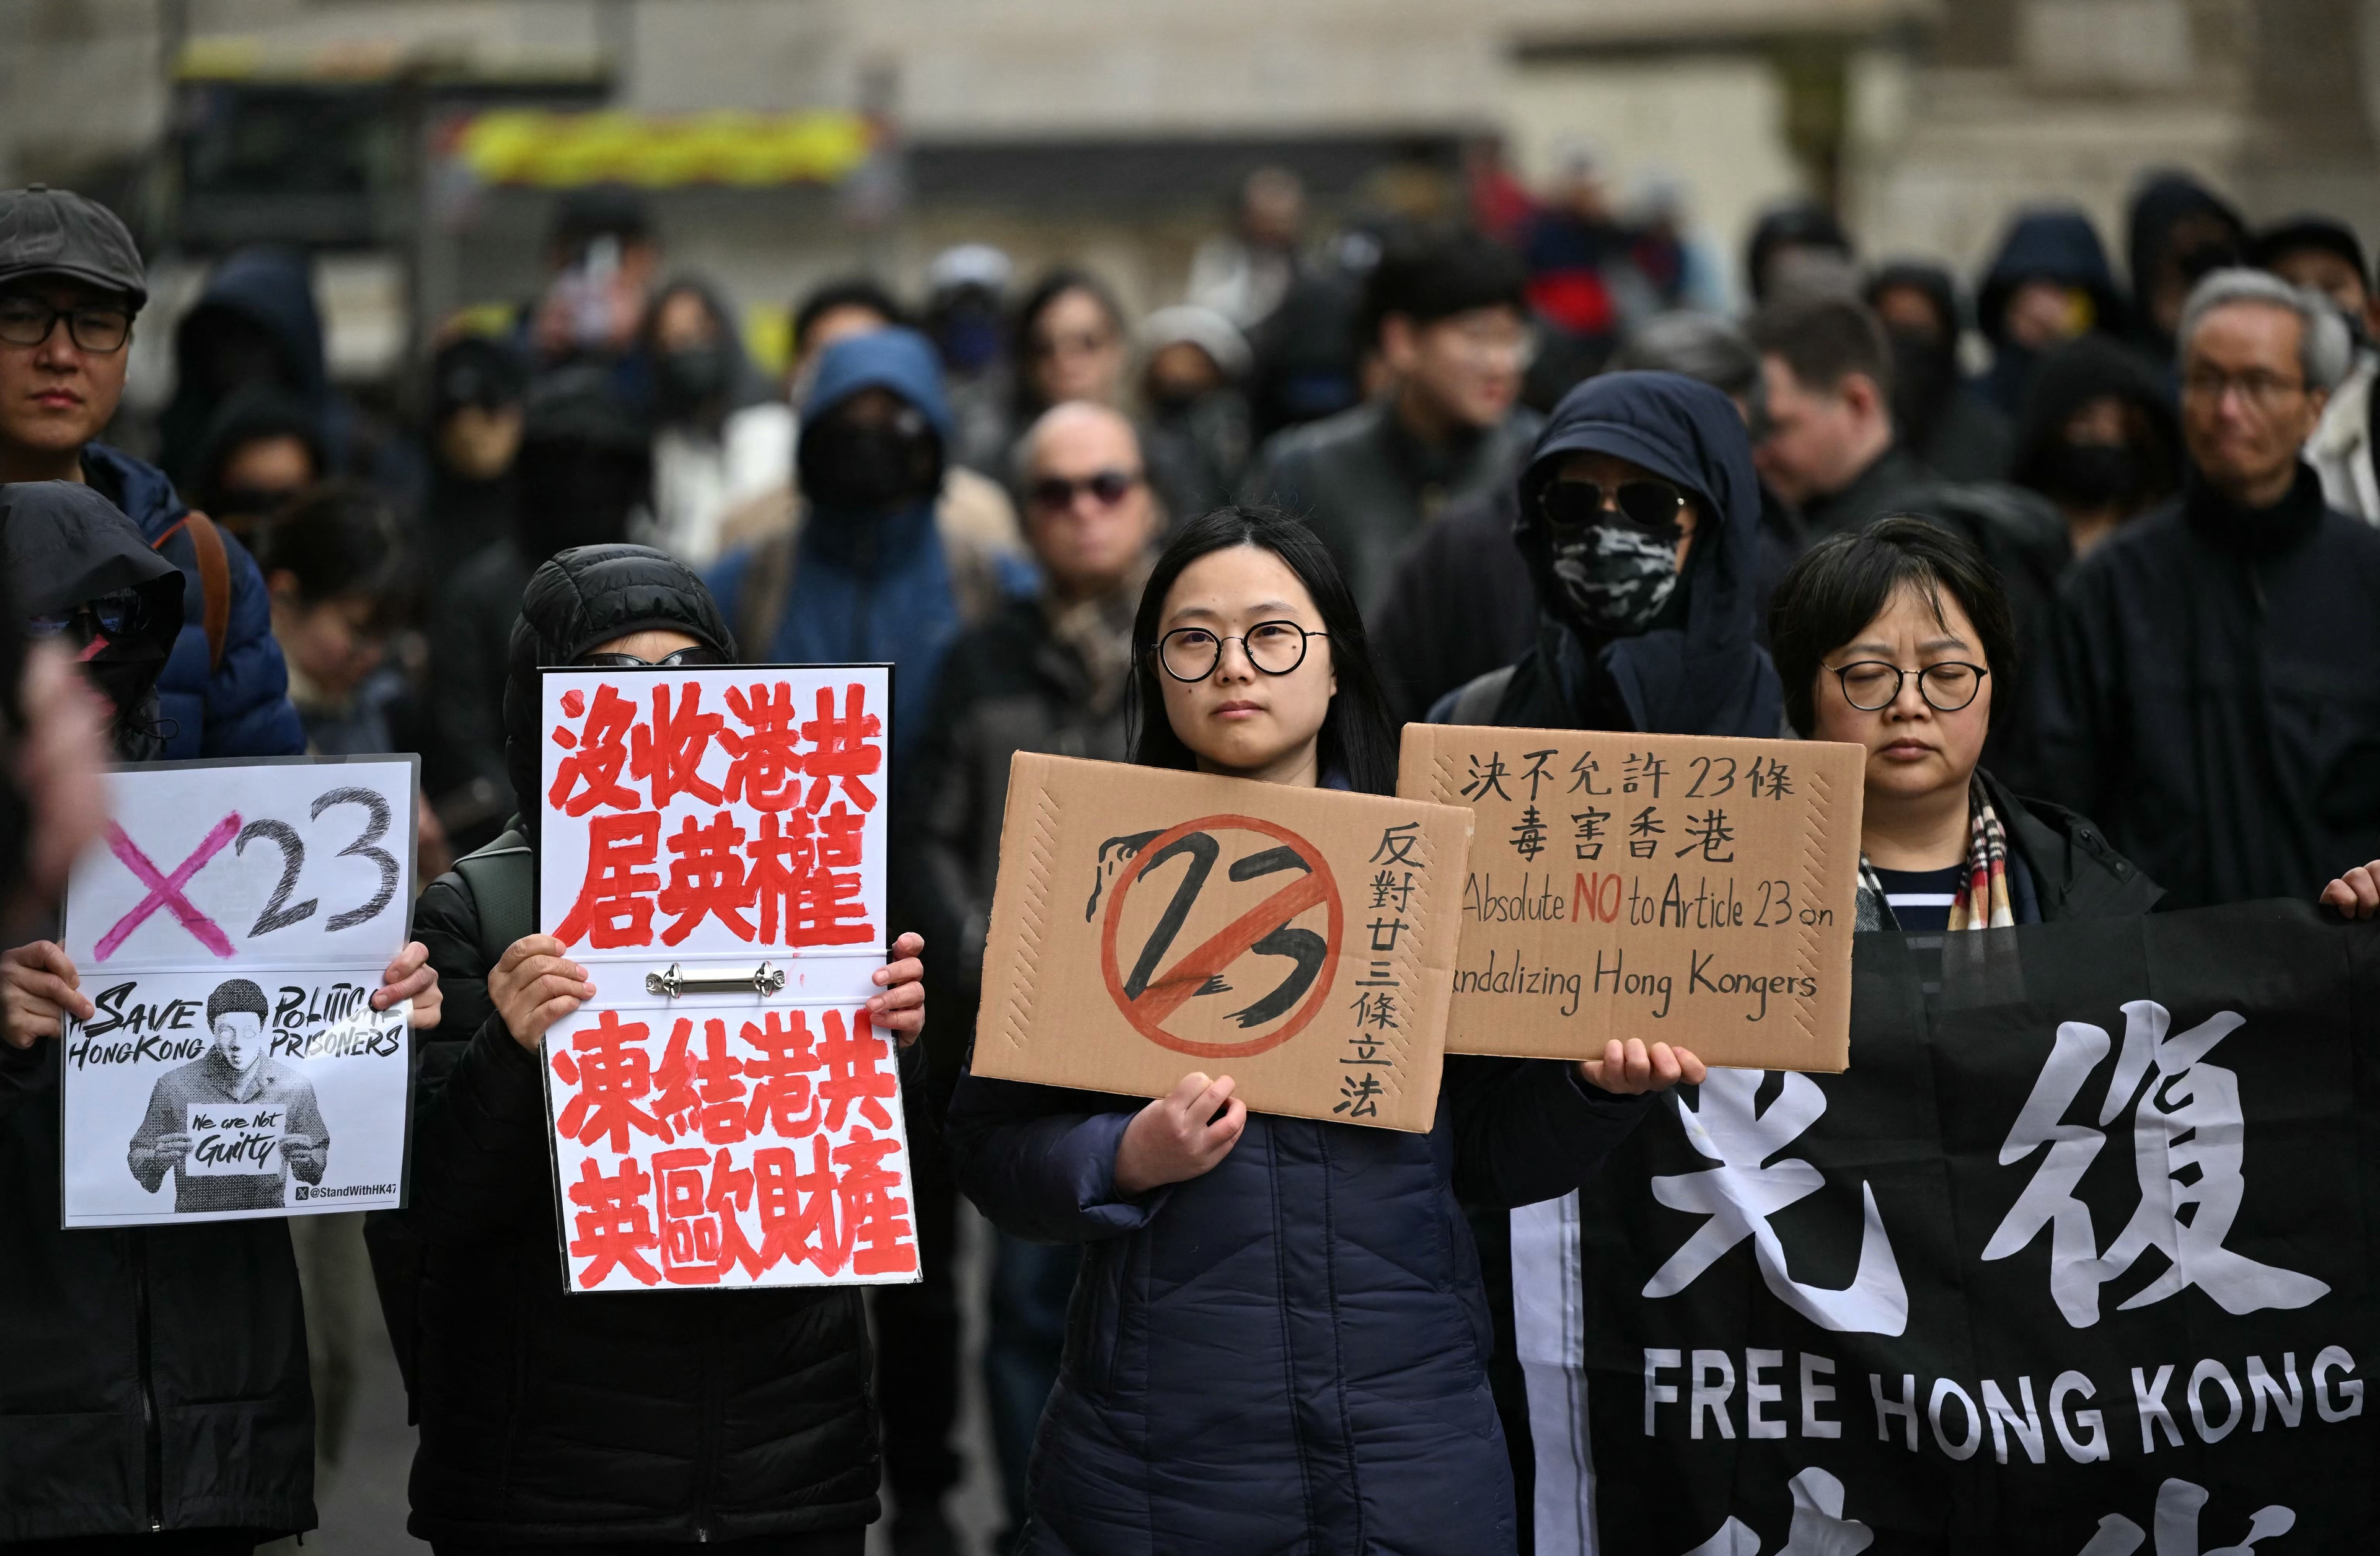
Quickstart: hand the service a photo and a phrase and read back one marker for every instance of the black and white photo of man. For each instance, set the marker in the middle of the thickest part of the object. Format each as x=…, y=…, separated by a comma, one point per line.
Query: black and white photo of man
x=235, y=1071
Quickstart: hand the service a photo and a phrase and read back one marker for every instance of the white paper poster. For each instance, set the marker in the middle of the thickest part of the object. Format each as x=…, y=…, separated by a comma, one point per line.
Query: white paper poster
x=711, y=848
x=230, y=926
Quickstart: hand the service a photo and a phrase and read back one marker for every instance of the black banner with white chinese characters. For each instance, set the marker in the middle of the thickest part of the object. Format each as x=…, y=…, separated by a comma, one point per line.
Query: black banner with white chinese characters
x=2075, y=1260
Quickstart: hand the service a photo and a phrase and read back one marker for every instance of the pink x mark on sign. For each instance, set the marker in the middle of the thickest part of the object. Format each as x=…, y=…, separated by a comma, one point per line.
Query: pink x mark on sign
x=166, y=891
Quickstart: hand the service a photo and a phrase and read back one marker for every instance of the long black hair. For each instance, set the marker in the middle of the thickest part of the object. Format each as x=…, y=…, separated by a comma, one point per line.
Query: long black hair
x=1357, y=739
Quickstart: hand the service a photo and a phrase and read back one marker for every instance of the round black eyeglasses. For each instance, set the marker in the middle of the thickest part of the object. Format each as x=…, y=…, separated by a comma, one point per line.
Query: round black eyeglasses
x=1871, y=686
x=1276, y=648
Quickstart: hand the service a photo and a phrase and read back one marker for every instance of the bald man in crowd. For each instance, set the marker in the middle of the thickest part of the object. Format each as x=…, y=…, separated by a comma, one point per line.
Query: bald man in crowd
x=1046, y=674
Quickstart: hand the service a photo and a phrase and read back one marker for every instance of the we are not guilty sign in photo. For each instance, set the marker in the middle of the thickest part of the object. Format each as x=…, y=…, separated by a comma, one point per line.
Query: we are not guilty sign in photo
x=230, y=927
x=712, y=847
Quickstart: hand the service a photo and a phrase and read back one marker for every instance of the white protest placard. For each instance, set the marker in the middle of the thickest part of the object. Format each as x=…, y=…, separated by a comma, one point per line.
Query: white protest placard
x=230, y=926
x=712, y=847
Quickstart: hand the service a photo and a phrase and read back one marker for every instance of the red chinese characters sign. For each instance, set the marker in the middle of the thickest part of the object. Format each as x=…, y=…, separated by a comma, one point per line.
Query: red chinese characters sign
x=713, y=819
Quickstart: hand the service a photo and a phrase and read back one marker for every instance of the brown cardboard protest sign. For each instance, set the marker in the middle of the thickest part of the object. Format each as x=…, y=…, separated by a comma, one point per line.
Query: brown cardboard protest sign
x=1692, y=890
x=1148, y=923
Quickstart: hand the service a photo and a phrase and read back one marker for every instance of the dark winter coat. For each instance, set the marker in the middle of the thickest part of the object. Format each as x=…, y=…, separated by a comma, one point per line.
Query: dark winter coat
x=2049, y=245
x=1367, y=487
x=1290, y=1352
x=2214, y=694
x=1011, y=686
x=2060, y=866
x=548, y=1416
x=1459, y=605
x=1697, y=670
x=1956, y=433
x=156, y=1376
x=239, y=708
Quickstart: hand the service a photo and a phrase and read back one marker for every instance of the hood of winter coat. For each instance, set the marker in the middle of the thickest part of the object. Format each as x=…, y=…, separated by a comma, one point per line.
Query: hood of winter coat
x=575, y=599
x=2049, y=245
x=1690, y=672
x=2071, y=377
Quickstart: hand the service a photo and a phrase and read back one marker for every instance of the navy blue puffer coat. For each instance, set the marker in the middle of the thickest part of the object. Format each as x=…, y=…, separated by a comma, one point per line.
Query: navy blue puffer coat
x=1288, y=1355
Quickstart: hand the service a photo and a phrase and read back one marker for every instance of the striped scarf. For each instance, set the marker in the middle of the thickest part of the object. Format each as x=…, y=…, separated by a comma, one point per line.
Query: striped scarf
x=1982, y=902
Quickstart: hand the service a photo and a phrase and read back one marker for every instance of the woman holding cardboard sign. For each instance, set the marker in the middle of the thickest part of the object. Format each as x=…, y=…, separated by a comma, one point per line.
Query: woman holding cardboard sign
x=1285, y=1310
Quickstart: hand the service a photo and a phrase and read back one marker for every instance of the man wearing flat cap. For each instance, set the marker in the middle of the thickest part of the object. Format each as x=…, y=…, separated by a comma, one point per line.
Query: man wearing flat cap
x=71, y=281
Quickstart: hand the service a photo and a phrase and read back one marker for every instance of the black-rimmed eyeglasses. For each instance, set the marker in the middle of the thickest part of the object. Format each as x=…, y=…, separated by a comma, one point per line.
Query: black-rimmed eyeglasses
x=1871, y=686
x=97, y=327
x=1275, y=647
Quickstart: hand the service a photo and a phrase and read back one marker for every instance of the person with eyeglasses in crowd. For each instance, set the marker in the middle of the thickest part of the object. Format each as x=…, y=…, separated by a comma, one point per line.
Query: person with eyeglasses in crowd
x=1048, y=674
x=139, y=1352
x=71, y=281
x=1226, y=1250
x=1449, y=317
x=2213, y=691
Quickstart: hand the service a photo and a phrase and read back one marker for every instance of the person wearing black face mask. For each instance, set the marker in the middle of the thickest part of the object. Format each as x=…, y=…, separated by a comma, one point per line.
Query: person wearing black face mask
x=876, y=565
x=721, y=438
x=2098, y=438
x=1950, y=428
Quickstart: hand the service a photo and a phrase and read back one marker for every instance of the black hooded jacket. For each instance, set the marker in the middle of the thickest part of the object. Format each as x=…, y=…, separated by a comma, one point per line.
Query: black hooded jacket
x=63, y=546
x=548, y=1416
x=2214, y=694
x=2162, y=205
x=2043, y=245
x=2070, y=378
x=135, y=1354
x=1698, y=669
x=1953, y=431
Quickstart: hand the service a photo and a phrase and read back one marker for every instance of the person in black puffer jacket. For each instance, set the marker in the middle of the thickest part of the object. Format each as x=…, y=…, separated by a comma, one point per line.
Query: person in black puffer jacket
x=588, y=1422
x=155, y=1388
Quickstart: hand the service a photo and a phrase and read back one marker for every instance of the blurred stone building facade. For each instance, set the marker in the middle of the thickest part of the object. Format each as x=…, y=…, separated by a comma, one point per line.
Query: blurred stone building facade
x=1115, y=133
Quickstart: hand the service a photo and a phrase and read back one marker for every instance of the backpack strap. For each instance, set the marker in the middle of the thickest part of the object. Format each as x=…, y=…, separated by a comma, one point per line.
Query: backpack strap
x=215, y=579
x=1478, y=701
x=502, y=879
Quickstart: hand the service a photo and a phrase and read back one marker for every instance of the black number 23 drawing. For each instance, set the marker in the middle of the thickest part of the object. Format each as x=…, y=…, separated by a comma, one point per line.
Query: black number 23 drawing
x=279, y=913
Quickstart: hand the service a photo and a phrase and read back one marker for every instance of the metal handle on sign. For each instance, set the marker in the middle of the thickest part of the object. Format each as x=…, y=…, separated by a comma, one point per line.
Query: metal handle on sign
x=763, y=980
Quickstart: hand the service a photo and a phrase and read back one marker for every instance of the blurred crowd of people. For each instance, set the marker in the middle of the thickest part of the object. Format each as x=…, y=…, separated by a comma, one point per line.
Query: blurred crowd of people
x=2170, y=470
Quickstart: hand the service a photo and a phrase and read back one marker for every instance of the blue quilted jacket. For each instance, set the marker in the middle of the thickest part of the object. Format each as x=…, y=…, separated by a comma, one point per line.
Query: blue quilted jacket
x=240, y=708
x=1288, y=1355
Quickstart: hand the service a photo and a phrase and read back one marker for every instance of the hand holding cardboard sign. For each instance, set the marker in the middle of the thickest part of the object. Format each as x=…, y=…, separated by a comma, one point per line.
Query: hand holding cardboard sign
x=1629, y=1068
x=1179, y=1137
x=901, y=1009
x=534, y=985
x=38, y=984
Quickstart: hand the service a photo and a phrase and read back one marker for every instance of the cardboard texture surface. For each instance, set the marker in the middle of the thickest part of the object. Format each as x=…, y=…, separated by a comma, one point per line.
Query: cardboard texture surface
x=1147, y=923
x=1670, y=887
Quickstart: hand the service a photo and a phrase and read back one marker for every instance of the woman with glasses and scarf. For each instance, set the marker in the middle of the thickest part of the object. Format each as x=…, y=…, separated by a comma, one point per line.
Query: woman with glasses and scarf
x=1894, y=639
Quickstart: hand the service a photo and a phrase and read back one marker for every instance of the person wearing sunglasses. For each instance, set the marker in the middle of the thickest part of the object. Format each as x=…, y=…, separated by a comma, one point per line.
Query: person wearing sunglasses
x=71, y=281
